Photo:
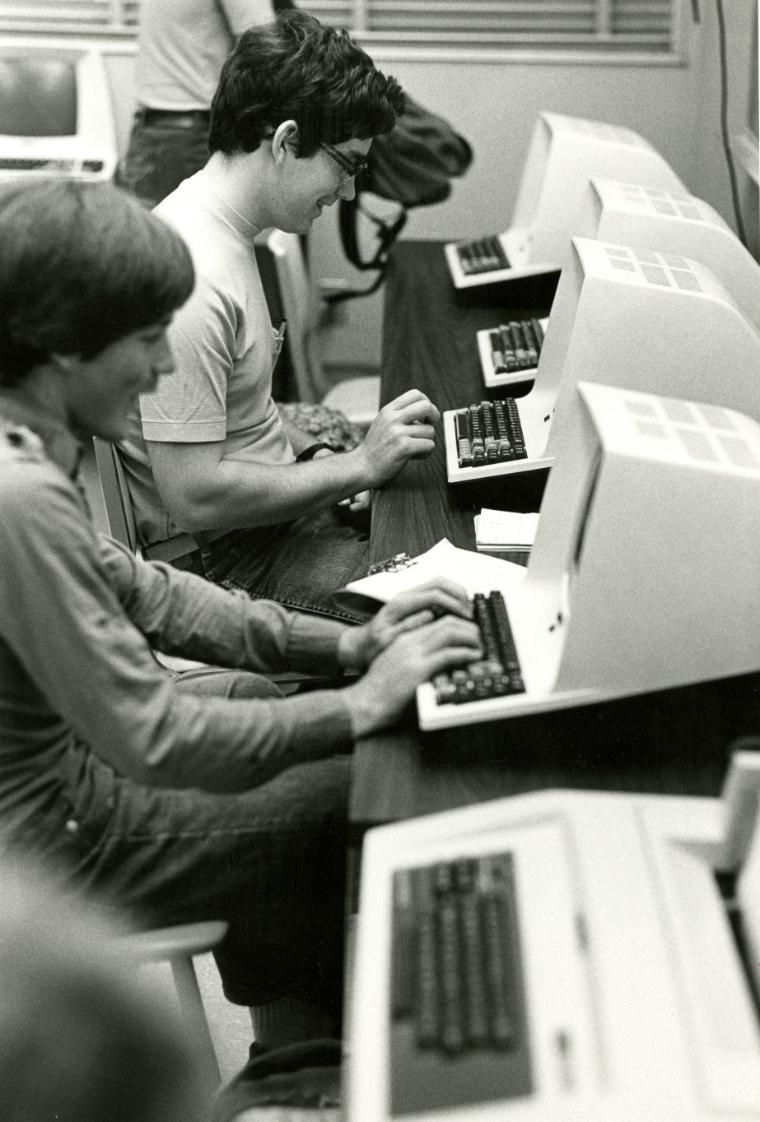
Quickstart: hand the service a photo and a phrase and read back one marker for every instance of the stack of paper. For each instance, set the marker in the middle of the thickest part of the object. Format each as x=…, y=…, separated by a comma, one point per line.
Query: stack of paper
x=505, y=531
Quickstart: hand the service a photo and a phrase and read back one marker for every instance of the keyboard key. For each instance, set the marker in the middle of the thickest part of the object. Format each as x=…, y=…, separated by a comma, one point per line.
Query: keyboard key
x=483, y=255
x=498, y=673
x=464, y=1036
x=489, y=432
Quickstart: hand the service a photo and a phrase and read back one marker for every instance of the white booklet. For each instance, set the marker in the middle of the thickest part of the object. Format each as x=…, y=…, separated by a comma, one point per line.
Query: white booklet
x=475, y=572
x=505, y=529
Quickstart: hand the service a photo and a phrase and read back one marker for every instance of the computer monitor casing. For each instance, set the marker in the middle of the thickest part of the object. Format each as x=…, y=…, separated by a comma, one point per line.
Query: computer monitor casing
x=642, y=217
x=649, y=321
x=564, y=153
x=67, y=87
x=638, y=579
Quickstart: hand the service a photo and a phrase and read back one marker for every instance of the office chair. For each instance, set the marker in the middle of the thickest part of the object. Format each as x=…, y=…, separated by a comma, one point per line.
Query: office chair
x=178, y=946
x=358, y=398
x=119, y=513
x=120, y=518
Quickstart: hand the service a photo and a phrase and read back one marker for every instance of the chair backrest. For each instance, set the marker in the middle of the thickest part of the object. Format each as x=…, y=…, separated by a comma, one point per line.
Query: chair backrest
x=302, y=308
x=113, y=484
x=119, y=513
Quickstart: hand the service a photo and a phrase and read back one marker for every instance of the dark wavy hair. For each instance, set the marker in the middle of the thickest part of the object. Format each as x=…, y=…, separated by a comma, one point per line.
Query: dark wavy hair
x=82, y=265
x=297, y=68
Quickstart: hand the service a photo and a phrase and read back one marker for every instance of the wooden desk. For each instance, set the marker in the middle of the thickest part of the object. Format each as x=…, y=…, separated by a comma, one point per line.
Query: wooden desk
x=673, y=741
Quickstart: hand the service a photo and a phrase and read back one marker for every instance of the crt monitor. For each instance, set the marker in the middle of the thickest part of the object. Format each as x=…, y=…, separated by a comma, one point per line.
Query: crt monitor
x=55, y=113
x=564, y=153
x=650, y=321
x=644, y=572
x=643, y=217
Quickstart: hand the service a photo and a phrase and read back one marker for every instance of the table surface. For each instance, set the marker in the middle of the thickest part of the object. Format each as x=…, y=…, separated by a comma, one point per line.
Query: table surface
x=675, y=741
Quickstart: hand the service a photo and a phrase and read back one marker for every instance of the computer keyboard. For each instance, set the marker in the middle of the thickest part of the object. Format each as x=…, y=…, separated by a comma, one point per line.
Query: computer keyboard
x=498, y=673
x=457, y=990
x=516, y=345
x=483, y=255
x=489, y=432
x=48, y=164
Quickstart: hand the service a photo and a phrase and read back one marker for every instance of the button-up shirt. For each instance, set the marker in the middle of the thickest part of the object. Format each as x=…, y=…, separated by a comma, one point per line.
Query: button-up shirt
x=79, y=618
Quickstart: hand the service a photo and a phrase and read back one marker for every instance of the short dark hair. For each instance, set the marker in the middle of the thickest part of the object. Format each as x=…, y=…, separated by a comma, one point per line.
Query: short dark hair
x=297, y=68
x=83, y=264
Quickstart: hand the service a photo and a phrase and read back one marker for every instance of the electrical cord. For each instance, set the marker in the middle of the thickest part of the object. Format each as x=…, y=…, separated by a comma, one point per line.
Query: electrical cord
x=724, y=124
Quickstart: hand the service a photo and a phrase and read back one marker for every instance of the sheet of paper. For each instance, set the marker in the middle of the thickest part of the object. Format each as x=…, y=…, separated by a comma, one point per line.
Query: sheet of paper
x=476, y=572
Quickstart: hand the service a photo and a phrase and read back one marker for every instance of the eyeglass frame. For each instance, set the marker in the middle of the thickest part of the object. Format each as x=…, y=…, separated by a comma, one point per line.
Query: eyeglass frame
x=350, y=168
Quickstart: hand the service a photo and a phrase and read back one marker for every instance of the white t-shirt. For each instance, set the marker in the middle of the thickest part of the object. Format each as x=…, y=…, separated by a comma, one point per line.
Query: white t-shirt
x=224, y=348
x=182, y=45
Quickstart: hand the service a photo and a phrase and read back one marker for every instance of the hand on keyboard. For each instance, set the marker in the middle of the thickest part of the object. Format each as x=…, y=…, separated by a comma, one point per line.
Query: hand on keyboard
x=401, y=431
x=405, y=612
x=388, y=686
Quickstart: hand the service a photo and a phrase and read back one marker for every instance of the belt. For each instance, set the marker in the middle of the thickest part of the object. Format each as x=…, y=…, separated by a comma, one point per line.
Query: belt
x=174, y=118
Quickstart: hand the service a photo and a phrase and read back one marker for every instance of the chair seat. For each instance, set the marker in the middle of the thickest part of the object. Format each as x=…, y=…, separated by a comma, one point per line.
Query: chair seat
x=184, y=939
x=358, y=398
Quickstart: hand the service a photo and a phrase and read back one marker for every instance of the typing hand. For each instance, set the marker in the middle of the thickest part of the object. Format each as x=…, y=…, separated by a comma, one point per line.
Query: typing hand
x=388, y=686
x=405, y=612
x=402, y=430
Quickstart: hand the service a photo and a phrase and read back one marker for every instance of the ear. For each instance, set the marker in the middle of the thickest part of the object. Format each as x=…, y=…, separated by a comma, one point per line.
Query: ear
x=284, y=135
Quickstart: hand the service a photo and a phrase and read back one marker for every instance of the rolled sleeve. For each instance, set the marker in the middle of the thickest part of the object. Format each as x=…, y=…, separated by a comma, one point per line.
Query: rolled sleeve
x=183, y=614
x=190, y=404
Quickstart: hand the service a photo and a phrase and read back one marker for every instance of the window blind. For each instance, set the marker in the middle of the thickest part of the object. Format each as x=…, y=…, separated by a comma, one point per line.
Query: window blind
x=70, y=16
x=632, y=24
x=608, y=25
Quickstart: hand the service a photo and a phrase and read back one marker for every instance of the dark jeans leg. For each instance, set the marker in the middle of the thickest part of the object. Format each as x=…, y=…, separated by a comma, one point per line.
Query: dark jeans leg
x=300, y=564
x=159, y=158
x=271, y=861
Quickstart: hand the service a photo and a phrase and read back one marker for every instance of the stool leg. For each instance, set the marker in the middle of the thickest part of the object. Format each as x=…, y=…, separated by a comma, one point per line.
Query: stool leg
x=191, y=1008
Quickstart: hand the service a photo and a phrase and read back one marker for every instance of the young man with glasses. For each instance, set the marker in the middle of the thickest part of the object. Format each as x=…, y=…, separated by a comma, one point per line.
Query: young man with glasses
x=292, y=122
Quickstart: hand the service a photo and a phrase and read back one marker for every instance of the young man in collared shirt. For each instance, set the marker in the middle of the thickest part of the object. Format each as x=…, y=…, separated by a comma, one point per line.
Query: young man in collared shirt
x=292, y=122
x=223, y=801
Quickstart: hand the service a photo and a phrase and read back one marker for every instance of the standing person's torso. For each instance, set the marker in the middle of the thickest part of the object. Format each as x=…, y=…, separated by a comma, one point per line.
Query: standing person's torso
x=183, y=44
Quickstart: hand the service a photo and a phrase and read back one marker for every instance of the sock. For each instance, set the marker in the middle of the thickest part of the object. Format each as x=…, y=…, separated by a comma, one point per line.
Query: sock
x=290, y=1019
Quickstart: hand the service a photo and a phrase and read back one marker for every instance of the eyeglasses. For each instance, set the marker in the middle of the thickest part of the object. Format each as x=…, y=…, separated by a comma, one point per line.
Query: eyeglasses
x=350, y=168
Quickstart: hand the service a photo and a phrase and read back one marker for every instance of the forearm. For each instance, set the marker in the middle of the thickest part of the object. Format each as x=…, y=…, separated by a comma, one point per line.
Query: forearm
x=240, y=493
x=185, y=615
x=219, y=744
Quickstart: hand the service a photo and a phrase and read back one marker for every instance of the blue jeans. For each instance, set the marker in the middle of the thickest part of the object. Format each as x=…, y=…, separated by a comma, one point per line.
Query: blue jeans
x=159, y=157
x=299, y=564
x=270, y=860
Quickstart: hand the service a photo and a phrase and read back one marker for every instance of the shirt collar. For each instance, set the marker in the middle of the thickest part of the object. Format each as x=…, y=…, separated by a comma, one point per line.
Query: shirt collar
x=61, y=446
x=202, y=186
